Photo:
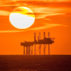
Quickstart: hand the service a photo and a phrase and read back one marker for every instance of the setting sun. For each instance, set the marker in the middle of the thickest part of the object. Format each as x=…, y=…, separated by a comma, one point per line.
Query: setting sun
x=22, y=18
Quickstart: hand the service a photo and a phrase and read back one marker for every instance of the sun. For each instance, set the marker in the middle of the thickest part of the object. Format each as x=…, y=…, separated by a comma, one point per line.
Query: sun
x=22, y=17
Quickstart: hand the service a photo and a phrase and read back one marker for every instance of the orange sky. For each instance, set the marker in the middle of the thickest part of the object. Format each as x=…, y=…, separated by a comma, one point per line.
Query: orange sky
x=52, y=16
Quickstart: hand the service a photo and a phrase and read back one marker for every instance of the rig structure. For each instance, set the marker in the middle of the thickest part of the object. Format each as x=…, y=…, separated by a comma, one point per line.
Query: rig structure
x=28, y=46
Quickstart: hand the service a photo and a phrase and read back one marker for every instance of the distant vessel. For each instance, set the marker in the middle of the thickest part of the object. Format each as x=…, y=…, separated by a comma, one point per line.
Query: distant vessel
x=27, y=45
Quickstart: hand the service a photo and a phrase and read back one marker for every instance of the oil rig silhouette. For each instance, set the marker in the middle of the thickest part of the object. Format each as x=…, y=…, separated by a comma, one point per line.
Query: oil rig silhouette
x=28, y=48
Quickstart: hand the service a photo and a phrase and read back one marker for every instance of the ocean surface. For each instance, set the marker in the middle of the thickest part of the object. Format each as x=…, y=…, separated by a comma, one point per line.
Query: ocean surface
x=35, y=63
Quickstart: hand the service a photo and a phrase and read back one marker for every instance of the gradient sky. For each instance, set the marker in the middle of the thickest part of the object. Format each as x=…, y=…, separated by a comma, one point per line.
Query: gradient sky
x=52, y=16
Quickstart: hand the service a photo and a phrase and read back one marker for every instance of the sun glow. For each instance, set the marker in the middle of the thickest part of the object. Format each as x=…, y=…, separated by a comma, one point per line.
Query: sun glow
x=22, y=18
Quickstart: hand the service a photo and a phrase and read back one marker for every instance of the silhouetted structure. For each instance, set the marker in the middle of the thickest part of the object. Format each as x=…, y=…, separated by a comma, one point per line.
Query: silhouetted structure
x=28, y=50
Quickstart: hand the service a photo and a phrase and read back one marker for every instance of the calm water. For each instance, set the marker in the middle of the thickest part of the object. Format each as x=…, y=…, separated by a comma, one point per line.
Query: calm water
x=35, y=63
x=23, y=70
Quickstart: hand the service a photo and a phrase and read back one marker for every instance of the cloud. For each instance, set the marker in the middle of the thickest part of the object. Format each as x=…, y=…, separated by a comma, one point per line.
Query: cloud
x=46, y=15
x=11, y=31
x=55, y=0
x=42, y=12
x=46, y=9
x=28, y=1
x=4, y=13
x=47, y=26
x=45, y=0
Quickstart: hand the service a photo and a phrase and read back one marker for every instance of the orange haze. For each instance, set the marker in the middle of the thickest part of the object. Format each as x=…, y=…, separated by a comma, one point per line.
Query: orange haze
x=53, y=16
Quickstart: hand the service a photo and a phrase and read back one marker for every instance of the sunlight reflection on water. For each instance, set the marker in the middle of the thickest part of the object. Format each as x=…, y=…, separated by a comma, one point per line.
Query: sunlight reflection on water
x=24, y=70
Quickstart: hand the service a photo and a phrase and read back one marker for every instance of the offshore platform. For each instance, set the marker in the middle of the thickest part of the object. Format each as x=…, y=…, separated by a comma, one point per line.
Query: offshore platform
x=29, y=48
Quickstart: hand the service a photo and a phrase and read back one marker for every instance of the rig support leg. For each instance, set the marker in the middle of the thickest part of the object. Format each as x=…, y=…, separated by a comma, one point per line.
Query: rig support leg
x=44, y=49
x=40, y=49
x=35, y=49
x=48, y=49
x=24, y=50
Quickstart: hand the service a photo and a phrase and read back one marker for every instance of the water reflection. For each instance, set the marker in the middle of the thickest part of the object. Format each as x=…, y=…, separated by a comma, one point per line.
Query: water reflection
x=23, y=70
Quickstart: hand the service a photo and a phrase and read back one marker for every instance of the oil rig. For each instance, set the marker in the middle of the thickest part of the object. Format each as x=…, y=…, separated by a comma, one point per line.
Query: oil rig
x=29, y=48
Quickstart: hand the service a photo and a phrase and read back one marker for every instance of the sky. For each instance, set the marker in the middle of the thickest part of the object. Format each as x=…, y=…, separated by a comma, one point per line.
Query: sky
x=52, y=16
